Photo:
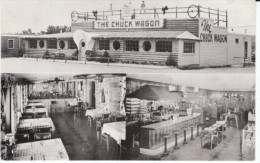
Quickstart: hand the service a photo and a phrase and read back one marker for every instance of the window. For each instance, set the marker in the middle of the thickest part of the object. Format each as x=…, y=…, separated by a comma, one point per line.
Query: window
x=189, y=47
x=61, y=44
x=237, y=40
x=103, y=44
x=116, y=45
x=72, y=44
x=83, y=44
x=33, y=44
x=132, y=45
x=147, y=45
x=41, y=44
x=163, y=46
x=52, y=44
x=10, y=44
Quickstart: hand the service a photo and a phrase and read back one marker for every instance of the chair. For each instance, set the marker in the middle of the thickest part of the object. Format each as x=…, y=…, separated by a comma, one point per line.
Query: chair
x=99, y=123
x=206, y=135
x=177, y=132
x=191, y=128
x=185, y=132
x=221, y=131
x=89, y=121
x=214, y=135
x=165, y=136
x=105, y=138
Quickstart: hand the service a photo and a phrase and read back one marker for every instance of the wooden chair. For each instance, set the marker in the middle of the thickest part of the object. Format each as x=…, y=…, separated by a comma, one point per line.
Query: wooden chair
x=105, y=138
x=206, y=135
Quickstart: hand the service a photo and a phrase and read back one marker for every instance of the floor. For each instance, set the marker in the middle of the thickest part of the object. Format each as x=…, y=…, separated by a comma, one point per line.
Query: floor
x=227, y=150
x=80, y=141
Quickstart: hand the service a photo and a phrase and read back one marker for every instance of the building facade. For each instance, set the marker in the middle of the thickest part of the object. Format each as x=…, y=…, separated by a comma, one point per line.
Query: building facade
x=10, y=45
x=37, y=45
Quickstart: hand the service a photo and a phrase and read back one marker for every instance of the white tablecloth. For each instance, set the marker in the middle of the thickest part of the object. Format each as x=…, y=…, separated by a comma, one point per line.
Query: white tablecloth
x=251, y=117
x=117, y=130
x=73, y=103
x=96, y=113
x=35, y=123
x=52, y=149
x=37, y=110
x=34, y=104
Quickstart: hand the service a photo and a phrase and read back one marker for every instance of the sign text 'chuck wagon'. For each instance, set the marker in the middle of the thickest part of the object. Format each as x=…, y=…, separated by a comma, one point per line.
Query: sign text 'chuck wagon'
x=207, y=33
x=155, y=23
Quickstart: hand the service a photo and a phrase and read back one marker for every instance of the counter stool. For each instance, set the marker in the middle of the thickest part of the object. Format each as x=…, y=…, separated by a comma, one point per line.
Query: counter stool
x=89, y=121
x=177, y=132
x=105, y=137
x=191, y=131
x=185, y=132
x=165, y=136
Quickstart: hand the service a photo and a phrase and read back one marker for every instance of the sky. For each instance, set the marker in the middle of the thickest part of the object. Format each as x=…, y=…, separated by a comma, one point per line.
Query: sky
x=39, y=14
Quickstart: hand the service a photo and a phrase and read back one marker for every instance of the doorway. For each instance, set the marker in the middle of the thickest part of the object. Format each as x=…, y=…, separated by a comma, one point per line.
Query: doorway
x=92, y=98
x=245, y=50
x=82, y=50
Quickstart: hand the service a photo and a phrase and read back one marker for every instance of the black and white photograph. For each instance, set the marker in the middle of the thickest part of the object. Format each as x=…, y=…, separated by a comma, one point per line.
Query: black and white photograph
x=63, y=117
x=133, y=80
x=129, y=36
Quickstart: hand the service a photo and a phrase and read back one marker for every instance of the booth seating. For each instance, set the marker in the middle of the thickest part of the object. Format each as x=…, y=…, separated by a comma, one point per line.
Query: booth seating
x=35, y=129
x=132, y=131
x=35, y=113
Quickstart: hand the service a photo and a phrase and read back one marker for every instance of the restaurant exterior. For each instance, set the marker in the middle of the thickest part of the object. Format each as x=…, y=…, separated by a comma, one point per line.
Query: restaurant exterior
x=185, y=37
x=196, y=37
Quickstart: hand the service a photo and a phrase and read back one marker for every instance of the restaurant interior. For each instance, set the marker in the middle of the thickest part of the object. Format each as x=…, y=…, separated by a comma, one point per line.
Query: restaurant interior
x=62, y=116
x=191, y=116
x=127, y=117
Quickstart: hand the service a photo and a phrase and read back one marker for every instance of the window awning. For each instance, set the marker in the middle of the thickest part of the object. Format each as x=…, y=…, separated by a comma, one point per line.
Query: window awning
x=125, y=34
x=50, y=36
x=149, y=34
x=152, y=92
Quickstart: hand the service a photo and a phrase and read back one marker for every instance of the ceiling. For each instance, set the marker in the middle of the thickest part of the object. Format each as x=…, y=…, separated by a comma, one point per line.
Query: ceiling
x=33, y=77
x=217, y=82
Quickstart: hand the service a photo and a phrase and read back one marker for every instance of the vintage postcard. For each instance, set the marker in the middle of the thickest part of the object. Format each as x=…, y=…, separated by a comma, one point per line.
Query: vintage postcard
x=128, y=80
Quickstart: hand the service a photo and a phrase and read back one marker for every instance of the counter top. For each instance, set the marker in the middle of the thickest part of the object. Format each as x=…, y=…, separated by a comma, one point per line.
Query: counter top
x=159, y=125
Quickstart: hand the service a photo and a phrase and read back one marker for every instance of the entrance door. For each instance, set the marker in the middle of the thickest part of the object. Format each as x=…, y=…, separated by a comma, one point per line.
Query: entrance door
x=82, y=50
x=246, y=50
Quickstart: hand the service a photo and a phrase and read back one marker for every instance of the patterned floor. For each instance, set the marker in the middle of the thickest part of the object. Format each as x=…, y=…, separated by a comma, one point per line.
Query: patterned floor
x=80, y=141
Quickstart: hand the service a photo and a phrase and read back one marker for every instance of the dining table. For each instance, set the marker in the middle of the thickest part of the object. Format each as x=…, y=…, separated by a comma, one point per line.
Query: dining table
x=33, y=124
x=52, y=149
x=116, y=130
x=96, y=113
x=211, y=130
x=35, y=103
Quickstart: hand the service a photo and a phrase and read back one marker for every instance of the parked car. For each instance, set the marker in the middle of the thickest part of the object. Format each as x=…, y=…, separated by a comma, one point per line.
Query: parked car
x=59, y=55
x=48, y=56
